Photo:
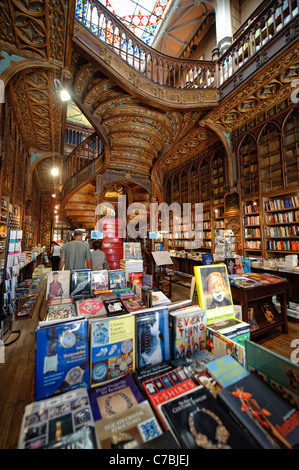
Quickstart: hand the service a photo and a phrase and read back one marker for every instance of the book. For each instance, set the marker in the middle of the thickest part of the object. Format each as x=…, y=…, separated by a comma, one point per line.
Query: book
x=46, y=422
x=114, y=397
x=158, y=298
x=129, y=428
x=220, y=345
x=243, y=281
x=114, y=307
x=61, y=357
x=214, y=292
x=164, y=387
x=271, y=420
x=116, y=279
x=132, y=303
x=84, y=438
x=60, y=312
x=197, y=421
x=147, y=372
x=81, y=283
x=112, y=348
x=99, y=280
x=163, y=441
x=279, y=372
x=187, y=330
x=226, y=370
x=58, y=285
x=152, y=331
x=91, y=308
x=132, y=250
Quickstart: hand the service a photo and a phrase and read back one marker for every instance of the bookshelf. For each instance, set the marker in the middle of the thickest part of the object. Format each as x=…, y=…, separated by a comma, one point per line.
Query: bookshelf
x=281, y=224
x=252, y=235
x=271, y=176
x=249, y=167
x=291, y=149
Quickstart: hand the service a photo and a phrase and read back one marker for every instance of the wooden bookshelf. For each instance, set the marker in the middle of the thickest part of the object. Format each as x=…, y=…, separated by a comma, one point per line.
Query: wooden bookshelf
x=252, y=236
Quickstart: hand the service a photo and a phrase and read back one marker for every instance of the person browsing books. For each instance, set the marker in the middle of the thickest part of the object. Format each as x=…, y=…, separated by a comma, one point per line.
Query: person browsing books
x=98, y=257
x=75, y=254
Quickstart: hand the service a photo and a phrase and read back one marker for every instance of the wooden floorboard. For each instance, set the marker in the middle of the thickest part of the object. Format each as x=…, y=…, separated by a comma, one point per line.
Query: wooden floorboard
x=17, y=372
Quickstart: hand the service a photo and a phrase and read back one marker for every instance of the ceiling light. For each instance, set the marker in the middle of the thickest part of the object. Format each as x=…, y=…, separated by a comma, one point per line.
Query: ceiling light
x=54, y=171
x=53, y=195
x=64, y=94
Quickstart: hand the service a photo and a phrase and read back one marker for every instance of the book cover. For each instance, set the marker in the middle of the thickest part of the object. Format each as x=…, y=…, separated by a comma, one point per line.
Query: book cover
x=129, y=428
x=188, y=330
x=220, y=345
x=84, y=438
x=226, y=370
x=112, y=348
x=158, y=298
x=197, y=421
x=114, y=307
x=50, y=420
x=58, y=285
x=132, y=303
x=116, y=279
x=132, y=250
x=164, y=441
x=152, y=330
x=266, y=416
x=147, y=372
x=279, y=372
x=243, y=281
x=60, y=312
x=99, y=280
x=246, y=265
x=214, y=292
x=81, y=283
x=114, y=397
x=61, y=357
x=91, y=308
x=164, y=387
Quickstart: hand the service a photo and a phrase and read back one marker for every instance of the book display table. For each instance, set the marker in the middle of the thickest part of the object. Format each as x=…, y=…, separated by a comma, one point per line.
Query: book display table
x=258, y=299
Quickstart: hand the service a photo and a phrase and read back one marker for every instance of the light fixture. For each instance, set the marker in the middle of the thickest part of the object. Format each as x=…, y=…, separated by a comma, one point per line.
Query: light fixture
x=54, y=171
x=53, y=195
x=64, y=94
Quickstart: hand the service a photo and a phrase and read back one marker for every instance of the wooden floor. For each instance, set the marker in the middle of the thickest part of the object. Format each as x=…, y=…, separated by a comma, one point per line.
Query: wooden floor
x=17, y=371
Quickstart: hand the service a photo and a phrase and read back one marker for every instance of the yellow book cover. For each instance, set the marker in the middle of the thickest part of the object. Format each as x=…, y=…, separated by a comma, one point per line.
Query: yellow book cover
x=112, y=348
x=213, y=291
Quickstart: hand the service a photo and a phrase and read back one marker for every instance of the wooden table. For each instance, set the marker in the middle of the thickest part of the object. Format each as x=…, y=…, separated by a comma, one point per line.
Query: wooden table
x=246, y=297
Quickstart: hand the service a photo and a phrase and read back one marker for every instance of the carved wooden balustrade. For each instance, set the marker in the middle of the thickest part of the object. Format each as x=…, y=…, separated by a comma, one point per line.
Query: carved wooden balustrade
x=259, y=32
x=155, y=66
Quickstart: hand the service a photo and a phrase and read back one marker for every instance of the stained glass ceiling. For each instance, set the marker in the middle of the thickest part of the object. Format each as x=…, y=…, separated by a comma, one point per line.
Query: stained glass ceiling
x=142, y=17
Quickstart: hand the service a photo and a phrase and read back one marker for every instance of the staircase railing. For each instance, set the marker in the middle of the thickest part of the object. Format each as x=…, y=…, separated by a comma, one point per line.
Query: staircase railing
x=154, y=65
x=86, y=152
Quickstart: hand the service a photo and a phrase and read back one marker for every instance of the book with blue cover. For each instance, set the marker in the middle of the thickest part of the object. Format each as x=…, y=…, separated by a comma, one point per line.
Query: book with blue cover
x=62, y=357
x=226, y=370
x=153, y=342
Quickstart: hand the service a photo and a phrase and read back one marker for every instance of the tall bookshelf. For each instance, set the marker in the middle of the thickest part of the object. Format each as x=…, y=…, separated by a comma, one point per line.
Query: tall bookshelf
x=252, y=235
x=281, y=224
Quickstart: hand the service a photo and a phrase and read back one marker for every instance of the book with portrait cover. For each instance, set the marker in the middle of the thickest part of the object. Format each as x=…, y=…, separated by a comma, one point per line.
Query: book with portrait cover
x=99, y=280
x=47, y=422
x=58, y=285
x=112, y=348
x=127, y=429
x=152, y=331
x=114, y=397
x=266, y=416
x=188, y=333
x=81, y=283
x=61, y=357
x=91, y=308
x=198, y=421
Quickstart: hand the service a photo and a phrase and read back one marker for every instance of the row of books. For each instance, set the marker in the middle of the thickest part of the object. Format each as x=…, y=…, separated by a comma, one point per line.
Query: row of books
x=249, y=279
x=289, y=231
x=284, y=203
x=195, y=402
x=282, y=245
x=252, y=232
x=282, y=217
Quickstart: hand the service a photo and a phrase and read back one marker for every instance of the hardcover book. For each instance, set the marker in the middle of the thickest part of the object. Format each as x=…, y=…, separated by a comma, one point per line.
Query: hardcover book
x=158, y=298
x=152, y=330
x=46, y=422
x=91, y=308
x=58, y=285
x=112, y=348
x=61, y=357
x=129, y=428
x=226, y=370
x=60, y=312
x=271, y=420
x=114, y=397
x=132, y=303
x=197, y=421
x=187, y=331
x=116, y=279
x=114, y=307
x=132, y=250
x=99, y=280
x=214, y=292
x=81, y=283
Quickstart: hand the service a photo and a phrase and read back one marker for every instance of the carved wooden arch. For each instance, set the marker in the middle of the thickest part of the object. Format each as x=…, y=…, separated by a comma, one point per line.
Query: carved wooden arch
x=266, y=124
x=294, y=109
x=17, y=67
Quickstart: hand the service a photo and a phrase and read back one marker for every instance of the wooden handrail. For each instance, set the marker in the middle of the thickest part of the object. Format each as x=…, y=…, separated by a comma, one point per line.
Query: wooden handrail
x=86, y=152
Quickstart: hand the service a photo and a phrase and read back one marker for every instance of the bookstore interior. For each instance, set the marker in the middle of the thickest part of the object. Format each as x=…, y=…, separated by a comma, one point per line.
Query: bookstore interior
x=177, y=149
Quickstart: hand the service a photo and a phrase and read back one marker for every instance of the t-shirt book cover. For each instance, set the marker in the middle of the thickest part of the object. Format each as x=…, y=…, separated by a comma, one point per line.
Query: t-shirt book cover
x=62, y=357
x=112, y=348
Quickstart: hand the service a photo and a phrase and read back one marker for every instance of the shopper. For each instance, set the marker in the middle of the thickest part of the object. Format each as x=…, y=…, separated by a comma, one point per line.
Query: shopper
x=98, y=257
x=75, y=254
x=55, y=255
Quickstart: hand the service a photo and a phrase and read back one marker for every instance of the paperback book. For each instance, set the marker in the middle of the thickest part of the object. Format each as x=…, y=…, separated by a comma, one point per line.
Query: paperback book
x=226, y=370
x=58, y=285
x=116, y=279
x=132, y=303
x=158, y=298
x=112, y=348
x=91, y=308
x=47, y=422
x=61, y=357
x=152, y=331
x=187, y=331
x=81, y=283
x=197, y=421
x=99, y=280
x=61, y=312
x=114, y=397
x=114, y=307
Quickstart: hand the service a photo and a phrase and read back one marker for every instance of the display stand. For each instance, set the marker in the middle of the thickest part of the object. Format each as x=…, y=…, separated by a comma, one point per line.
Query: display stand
x=163, y=278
